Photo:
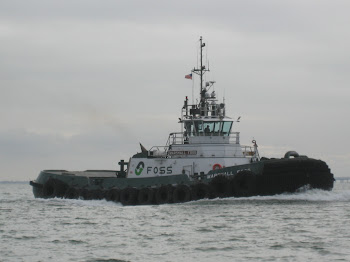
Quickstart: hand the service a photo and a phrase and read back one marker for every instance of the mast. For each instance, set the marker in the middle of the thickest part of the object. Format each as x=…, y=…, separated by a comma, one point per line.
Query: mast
x=201, y=71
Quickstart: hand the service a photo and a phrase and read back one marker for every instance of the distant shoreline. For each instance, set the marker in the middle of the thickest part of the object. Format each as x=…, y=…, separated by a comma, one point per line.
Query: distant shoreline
x=14, y=182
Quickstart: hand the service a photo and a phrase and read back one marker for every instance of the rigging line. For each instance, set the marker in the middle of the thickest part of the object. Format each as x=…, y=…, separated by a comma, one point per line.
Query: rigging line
x=192, y=90
x=197, y=51
x=212, y=74
x=206, y=67
x=206, y=54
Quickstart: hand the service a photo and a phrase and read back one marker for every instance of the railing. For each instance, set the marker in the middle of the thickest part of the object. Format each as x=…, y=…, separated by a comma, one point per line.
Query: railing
x=175, y=139
x=248, y=150
x=179, y=138
x=158, y=151
x=162, y=151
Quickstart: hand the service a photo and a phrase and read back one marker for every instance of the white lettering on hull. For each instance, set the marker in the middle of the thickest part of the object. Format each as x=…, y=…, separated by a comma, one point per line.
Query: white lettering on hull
x=182, y=153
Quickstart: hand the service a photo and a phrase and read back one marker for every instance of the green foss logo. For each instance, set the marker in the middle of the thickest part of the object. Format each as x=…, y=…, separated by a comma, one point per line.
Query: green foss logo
x=140, y=166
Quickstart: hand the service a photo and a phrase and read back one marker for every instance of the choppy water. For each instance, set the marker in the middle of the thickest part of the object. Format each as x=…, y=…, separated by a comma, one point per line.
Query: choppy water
x=312, y=225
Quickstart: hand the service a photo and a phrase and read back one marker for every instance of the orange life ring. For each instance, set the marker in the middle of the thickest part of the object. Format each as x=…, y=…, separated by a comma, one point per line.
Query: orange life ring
x=217, y=166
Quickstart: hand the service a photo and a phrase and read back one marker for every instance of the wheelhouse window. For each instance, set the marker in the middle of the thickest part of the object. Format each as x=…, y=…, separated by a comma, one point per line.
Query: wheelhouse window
x=207, y=128
x=226, y=128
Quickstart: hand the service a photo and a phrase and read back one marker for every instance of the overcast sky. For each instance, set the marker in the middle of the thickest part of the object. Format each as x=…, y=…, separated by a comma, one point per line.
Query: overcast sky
x=83, y=82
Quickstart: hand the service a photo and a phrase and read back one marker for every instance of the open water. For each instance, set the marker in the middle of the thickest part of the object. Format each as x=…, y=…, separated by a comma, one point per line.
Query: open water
x=310, y=225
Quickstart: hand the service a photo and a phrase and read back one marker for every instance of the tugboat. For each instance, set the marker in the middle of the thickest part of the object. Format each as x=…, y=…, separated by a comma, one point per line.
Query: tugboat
x=204, y=160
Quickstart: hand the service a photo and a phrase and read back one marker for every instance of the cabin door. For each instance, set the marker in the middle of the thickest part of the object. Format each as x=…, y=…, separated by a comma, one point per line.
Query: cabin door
x=188, y=170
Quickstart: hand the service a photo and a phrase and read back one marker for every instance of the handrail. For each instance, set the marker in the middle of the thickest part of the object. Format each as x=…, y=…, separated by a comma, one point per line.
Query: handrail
x=163, y=151
x=156, y=152
x=178, y=138
x=248, y=150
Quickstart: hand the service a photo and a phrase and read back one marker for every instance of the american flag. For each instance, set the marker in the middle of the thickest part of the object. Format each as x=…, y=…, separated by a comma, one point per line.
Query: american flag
x=188, y=76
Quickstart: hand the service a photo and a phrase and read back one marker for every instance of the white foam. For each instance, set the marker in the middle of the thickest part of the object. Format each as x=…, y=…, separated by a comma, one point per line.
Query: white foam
x=306, y=195
x=81, y=202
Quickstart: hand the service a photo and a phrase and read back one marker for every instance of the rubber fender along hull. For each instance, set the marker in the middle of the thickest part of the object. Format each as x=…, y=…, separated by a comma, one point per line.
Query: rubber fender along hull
x=288, y=175
x=267, y=177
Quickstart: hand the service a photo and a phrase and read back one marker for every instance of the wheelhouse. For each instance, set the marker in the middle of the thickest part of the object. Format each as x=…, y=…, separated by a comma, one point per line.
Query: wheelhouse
x=207, y=128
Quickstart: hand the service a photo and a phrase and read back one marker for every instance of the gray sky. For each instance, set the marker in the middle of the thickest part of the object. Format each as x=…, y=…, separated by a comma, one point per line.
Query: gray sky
x=83, y=82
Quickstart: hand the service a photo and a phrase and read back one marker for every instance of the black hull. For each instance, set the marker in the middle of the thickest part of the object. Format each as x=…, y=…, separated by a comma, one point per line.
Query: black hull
x=267, y=177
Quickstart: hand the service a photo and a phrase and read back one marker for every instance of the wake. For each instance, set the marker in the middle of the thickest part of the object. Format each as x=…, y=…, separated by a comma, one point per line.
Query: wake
x=339, y=193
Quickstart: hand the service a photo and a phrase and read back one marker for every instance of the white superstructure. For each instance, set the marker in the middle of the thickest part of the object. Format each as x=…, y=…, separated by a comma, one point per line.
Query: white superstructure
x=206, y=140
